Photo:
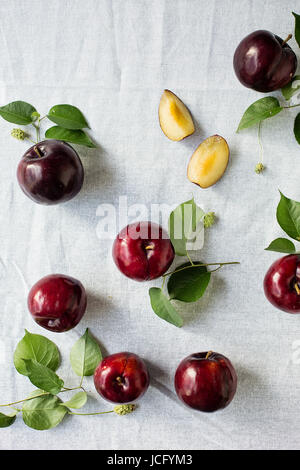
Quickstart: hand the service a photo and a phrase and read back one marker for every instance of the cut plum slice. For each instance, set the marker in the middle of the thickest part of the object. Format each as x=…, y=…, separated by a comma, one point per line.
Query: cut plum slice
x=208, y=162
x=175, y=119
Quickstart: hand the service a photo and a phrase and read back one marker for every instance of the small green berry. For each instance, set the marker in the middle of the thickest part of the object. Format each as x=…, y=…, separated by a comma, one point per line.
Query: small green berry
x=124, y=409
x=259, y=168
x=18, y=134
x=209, y=219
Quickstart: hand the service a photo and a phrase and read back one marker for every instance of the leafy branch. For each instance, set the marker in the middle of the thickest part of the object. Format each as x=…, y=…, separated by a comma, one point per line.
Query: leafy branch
x=69, y=121
x=270, y=106
x=38, y=358
x=188, y=282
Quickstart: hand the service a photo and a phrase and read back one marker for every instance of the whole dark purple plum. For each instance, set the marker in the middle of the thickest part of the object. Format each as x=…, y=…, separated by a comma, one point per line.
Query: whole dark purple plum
x=264, y=62
x=50, y=172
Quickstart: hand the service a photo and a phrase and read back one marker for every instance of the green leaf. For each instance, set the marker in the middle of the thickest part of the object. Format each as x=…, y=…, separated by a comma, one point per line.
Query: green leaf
x=291, y=88
x=43, y=412
x=184, y=225
x=35, y=115
x=258, y=111
x=85, y=355
x=297, y=28
x=38, y=348
x=43, y=377
x=162, y=306
x=297, y=128
x=68, y=135
x=67, y=116
x=189, y=284
x=7, y=420
x=288, y=217
x=77, y=401
x=282, y=245
x=18, y=112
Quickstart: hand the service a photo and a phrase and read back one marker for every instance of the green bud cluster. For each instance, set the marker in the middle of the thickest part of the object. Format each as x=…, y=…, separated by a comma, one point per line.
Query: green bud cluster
x=209, y=219
x=259, y=168
x=124, y=409
x=18, y=134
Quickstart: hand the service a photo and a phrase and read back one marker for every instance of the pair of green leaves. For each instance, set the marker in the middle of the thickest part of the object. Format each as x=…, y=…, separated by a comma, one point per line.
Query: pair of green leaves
x=69, y=119
x=189, y=282
x=35, y=350
x=38, y=358
x=70, y=124
x=288, y=217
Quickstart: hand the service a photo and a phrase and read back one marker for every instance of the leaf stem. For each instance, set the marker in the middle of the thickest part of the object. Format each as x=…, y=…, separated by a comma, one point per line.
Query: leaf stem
x=214, y=270
x=190, y=260
x=29, y=140
x=261, y=149
x=292, y=106
x=25, y=399
x=65, y=389
x=38, y=128
x=259, y=167
x=37, y=131
x=90, y=414
x=202, y=264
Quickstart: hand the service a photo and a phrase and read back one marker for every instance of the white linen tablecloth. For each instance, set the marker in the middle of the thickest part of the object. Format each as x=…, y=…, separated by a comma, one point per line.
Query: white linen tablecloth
x=113, y=59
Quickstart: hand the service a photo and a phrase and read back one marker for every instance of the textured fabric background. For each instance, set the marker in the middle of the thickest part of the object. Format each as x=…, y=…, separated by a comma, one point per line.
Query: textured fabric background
x=113, y=59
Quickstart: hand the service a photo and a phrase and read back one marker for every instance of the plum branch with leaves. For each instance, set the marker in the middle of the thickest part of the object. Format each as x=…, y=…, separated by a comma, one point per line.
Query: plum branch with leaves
x=38, y=358
x=69, y=121
x=188, y=282
x=270, y=106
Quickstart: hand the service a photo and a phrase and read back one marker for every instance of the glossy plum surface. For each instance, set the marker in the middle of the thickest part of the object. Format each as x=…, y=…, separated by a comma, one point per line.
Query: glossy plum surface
x=143, y=251
x=206, y=383
x=50, y=172
x=280, y=281
x=57, y=302
x=121, y=377
x=262, y=63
